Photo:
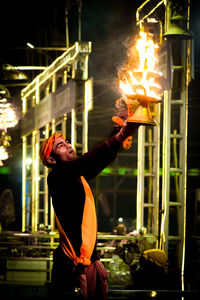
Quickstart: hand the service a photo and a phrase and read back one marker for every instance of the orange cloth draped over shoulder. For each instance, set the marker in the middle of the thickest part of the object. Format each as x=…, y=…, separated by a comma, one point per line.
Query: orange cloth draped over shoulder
x=88, y=231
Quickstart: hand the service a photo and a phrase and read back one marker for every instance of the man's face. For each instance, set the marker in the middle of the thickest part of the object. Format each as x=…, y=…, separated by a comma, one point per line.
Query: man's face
x=62, y=151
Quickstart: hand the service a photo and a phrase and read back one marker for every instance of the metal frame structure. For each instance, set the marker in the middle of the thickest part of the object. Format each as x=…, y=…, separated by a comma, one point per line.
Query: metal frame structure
x=38, y=98
x=148, y=155
x=148, y=178
x=175, y=143
x=50, y=104
x=174, y=152
x=53, y=103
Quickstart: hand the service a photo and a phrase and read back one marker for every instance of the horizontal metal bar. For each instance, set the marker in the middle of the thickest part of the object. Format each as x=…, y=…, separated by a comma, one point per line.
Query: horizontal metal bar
x=197, y=237
x=119, y=191
x=50, y=48
x=115, y=237
x=176, y=136
x=126, y=154
x=148, y=205
x=178, y=68
x=148, y=293
x=31, y=258
x=14, y=234
x=149, y=144
x=16, y=84
x=105, y=259
x=176, y=170
x=105, y=248
x=79, y=145
x=30, y=247
x=38, y=48
x=13, y=68
x=27, y=270
x=177, y=102
x=124, y=237
x=100, y=236
x=9, y=243
x=174, y=238
x=79, y=123
x=149, y=175
x=175, y=203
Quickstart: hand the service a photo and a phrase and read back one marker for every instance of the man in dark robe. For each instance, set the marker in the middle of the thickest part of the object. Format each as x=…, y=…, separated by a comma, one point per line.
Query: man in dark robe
x=77, y=270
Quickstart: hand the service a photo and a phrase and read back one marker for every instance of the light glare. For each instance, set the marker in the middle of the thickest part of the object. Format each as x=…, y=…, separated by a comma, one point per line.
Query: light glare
x=30, y=45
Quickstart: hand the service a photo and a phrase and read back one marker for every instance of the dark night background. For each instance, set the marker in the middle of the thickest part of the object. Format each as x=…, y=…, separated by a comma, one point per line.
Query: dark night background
x=108, y=25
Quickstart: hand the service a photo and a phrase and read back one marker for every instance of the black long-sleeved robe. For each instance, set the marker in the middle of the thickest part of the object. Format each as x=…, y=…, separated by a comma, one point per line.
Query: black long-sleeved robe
x=68, y=196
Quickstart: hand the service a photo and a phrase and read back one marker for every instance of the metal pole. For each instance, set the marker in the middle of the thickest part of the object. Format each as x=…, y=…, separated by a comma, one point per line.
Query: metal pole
x=66, y=28
x=24, y=175
x=79, y=20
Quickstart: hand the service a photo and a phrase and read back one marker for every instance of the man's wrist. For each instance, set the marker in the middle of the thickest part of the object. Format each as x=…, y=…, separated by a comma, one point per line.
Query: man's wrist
x=114, y=140
x=119, y=137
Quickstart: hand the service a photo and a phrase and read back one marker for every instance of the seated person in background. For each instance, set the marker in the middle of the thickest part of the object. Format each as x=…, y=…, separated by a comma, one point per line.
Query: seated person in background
x=118, y=230
x=152, y=270
x=144, y=270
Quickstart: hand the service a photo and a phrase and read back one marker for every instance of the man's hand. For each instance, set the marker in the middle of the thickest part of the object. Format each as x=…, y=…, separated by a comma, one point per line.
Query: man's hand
x=128, y=129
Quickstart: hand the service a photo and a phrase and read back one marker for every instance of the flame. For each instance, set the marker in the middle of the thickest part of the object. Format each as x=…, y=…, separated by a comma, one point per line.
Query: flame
x=142, y=80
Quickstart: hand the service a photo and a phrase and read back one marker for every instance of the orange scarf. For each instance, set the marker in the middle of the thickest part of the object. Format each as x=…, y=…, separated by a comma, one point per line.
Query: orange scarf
x=46, y=147
x=88, y=231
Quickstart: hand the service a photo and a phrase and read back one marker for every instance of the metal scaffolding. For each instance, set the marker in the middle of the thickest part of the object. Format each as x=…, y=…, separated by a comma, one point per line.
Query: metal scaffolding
x=45, y=112
x=176, y=43
x=175, y=130
x=148, y=178
x=148, y=155
x=52, y=102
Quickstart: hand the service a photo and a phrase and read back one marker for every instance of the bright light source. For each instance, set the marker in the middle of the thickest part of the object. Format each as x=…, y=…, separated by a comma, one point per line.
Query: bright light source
x=3, y=153
x=120, y=219
x=3, y=100
x=28, y=161
x=7, y=118
x=153, y=294
x=4, y=104
x=30, y=45
x=152, y=20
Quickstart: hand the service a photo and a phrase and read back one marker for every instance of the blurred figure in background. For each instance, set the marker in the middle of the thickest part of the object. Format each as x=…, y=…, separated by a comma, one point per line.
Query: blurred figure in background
x=7, y=210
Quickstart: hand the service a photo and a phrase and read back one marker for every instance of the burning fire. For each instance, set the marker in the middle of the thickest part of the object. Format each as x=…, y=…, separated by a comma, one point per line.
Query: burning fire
x=143, y=80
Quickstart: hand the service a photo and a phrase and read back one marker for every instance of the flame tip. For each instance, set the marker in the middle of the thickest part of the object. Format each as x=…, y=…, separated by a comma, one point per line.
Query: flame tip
x=142, y=80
